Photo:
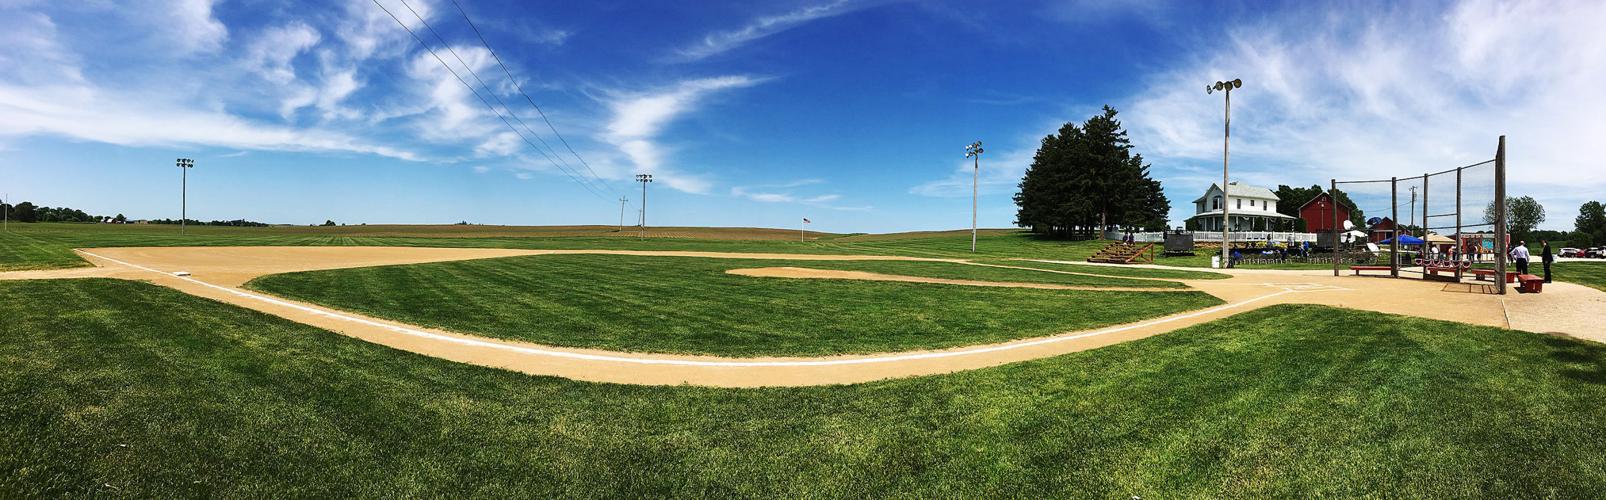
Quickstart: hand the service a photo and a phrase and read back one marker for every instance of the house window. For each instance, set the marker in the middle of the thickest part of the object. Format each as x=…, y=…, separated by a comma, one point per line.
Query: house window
x=1215, y=203
x=1240, y=203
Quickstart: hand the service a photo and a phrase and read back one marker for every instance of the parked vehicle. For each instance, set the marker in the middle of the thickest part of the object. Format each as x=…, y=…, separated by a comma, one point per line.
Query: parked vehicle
x=1596, y=253
x=1570, y=252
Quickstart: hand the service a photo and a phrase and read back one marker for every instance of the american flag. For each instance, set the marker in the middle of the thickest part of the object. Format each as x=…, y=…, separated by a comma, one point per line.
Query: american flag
x=807, y=221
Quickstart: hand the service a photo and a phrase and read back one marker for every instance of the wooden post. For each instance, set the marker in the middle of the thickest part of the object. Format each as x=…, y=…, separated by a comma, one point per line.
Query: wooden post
x=1332, y=199
x=1458, y=246
x=1394, y=239
x=1500, y=217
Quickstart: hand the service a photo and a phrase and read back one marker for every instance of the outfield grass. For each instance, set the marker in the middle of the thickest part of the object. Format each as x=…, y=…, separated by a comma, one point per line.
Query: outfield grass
x=117, y=388
x=690, y=305
x=49, y=245
x=1590, y=274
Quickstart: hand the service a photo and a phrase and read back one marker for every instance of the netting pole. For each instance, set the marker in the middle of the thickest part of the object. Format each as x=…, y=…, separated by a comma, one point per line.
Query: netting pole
x=1425, y=225
x=1500, y=217
x=1394, y=239
x=1458, y=249
x=1333, y=194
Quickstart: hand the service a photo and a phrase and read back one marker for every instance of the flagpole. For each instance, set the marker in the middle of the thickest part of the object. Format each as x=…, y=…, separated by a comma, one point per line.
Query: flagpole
x=800, y=231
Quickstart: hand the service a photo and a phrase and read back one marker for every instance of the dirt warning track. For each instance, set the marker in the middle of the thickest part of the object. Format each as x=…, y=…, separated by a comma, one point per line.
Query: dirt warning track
x=218, y=272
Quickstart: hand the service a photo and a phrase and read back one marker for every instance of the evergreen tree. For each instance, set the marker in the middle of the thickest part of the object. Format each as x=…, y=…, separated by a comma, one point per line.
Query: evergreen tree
x=1085, y=179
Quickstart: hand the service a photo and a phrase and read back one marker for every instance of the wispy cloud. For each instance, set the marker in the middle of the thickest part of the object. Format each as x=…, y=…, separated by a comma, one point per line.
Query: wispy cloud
x=722, y=41
x=1397, y=94
x=639, y=118
x=784, y=193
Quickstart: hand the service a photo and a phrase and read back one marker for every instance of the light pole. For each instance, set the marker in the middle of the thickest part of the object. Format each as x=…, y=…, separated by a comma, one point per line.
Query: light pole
x=973, y=151
x=643, y=179
x=184, y=166
x=1226, y=133
x=622, y=201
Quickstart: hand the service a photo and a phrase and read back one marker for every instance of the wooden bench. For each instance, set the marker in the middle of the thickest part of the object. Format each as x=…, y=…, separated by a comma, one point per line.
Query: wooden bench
x=1479, y=274
x=1358, y=269
x=1435, y=270
x=1530, y=284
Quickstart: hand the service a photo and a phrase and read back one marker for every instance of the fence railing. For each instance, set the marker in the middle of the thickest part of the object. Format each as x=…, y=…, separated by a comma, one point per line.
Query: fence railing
x=1215, y=236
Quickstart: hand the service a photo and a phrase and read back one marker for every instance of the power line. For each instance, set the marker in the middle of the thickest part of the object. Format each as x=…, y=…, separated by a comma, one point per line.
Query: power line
x=520, y=88
x=490, y=91
x=482, y=99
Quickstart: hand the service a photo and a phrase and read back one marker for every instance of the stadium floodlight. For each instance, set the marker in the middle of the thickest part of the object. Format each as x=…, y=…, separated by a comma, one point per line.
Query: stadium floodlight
x=643, y=179
x=973, y=151
x=1226, y=134
x=184, y=165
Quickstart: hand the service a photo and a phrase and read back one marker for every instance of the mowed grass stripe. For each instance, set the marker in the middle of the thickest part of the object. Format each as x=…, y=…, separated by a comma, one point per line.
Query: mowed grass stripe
x=691, y=305
x=124, y=388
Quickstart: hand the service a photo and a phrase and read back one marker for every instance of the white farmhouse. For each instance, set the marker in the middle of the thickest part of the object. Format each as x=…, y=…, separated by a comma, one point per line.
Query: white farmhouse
x=1252, y=208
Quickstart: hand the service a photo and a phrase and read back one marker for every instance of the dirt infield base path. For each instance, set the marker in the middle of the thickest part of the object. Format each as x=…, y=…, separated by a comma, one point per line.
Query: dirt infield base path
x=217, y=273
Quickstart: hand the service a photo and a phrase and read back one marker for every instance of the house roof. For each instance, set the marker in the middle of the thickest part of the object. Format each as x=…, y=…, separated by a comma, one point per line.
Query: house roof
x=1236, y=190
x=1256, y=213
x=1319, y=196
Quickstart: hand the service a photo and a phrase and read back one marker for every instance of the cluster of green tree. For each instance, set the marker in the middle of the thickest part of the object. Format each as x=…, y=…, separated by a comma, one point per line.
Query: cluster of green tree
x=1289, y=199
x=193, y=222
x=1085, y=179
x=1523, y=215
x=1589, y=229
x=28, y=212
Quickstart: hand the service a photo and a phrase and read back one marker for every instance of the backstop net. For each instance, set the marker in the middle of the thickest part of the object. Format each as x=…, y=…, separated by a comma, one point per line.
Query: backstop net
x=1443, y=224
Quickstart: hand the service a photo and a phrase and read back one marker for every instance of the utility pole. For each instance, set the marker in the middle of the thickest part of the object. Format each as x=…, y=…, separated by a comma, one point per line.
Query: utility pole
x=622, y=201
x=184, y=166
x=5, y=214
x=1226, y=196
x=973, y=151
x=1413, y=208
x=643, y=179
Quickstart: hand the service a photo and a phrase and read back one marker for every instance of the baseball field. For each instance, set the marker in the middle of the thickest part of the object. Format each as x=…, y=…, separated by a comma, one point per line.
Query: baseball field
x=581, y=361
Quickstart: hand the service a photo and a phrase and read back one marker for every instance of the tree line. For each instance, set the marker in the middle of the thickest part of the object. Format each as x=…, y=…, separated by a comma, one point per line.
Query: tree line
x=29, y=212
x=1085, y=179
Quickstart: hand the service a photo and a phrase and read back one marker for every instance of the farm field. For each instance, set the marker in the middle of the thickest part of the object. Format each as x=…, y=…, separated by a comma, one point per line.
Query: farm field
x=124, y=388
x=691, y=305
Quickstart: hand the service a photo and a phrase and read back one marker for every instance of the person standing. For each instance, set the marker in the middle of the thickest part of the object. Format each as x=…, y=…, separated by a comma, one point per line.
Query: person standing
x=1520, y=254
x=1545, y=257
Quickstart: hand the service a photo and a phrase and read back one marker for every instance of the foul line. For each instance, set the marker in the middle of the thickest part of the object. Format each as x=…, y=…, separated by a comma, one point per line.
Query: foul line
x=683, y=362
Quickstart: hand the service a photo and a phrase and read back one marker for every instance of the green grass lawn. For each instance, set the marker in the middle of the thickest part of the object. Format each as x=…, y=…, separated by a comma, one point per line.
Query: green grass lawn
x=49, y=245
x=690, y=305
x=116, y=388
x=1591, y=274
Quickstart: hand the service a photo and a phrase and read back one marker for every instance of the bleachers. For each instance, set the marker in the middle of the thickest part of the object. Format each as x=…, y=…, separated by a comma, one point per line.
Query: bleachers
x=1122, y=253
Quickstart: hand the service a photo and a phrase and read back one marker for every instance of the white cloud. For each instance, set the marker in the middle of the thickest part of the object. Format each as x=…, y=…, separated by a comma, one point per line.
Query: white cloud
x=1396, y=94
x=721, y=41
x=271, y=54
x=781, y=193
x=191, y=24
x=104, y=116
x=638, y=119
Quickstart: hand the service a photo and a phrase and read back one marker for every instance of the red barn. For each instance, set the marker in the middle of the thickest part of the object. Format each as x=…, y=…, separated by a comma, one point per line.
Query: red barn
x=1384, y=229
x=1318, y=214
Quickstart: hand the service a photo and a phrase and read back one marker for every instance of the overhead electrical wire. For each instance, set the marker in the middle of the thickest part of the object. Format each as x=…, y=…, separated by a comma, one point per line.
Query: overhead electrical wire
x=493, y=93
x=487, y=103
x=520, y=88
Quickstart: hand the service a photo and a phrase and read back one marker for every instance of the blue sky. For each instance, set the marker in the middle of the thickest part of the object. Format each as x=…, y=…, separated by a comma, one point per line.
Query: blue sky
x=851, y=113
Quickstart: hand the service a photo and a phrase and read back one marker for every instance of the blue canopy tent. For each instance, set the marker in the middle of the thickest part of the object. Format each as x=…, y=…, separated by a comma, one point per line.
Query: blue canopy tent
x=1404, y=240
